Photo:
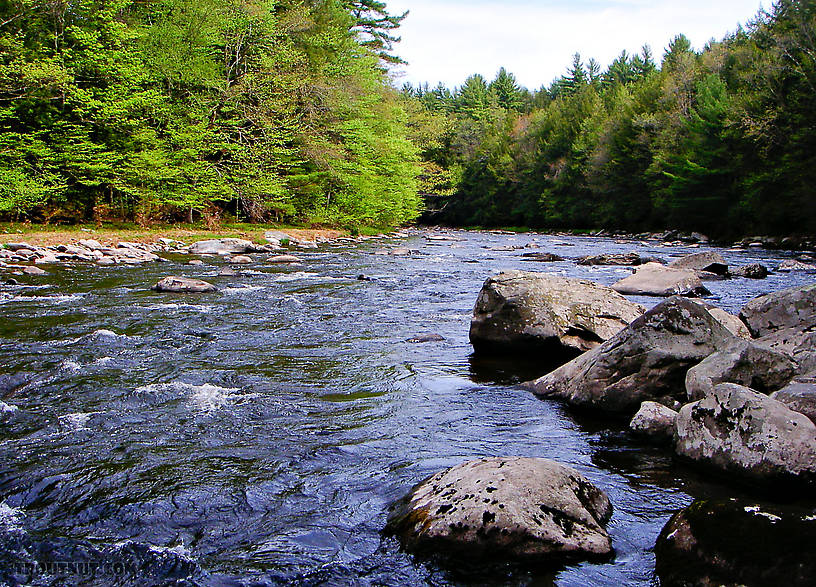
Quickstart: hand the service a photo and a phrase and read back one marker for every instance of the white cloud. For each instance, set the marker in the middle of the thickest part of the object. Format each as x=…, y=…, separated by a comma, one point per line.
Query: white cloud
x=447, y=40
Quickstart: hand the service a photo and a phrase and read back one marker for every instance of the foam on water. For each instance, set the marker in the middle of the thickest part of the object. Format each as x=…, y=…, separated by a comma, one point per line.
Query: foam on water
x=7, y=409
x=10, y=518
x=76, y=421
x=162, y=307
x=207, y=397
x=296, y=276
x=71, y=366
x=241, y=289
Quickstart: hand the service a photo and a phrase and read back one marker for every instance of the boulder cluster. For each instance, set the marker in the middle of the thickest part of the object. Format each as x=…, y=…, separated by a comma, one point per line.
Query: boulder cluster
x=733, y=395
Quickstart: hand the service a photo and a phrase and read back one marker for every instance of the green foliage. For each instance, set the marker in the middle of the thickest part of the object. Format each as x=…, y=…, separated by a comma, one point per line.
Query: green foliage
x=272, y=109
x=721, y=141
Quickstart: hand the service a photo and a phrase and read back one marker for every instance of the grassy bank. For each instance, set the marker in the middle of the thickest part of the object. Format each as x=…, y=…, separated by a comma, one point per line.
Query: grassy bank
x=45, y=235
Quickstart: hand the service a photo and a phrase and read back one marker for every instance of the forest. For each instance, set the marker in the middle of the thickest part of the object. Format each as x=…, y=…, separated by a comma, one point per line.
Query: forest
x=287, y=111
x=721, y=140
x=173, y=110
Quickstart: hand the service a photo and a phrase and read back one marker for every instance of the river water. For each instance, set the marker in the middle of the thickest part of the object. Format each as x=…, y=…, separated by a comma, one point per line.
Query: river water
x=256, y=436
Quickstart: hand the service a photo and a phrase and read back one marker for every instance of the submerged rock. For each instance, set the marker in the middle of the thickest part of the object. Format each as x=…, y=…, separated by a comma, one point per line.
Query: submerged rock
x=34, y=271
x=737, y=542
x=654, y=421
x=176, y=284
x=542, y=257
x=653, y=279
x=507, y=508
x=520, y=311
x=284, y=259
x=738, y=430
x=646, y=361
x=423, y=338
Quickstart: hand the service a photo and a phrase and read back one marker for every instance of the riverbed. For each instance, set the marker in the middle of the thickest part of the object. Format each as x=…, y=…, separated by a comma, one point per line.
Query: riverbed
x=257, y=435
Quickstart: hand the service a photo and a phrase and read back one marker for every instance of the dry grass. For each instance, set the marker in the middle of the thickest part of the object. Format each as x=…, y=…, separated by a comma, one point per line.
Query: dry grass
x=55, y=235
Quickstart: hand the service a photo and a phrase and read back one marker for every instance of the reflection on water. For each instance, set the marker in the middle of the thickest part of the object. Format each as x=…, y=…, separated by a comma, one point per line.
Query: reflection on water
x=257, y=435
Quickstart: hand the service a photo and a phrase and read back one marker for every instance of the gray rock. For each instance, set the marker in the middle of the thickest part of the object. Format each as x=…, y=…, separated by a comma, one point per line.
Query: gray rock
x=18, y=246
x=738, y=430
x=653, y=279
x=789, y=308
x=752, y=271
x=197, y=262
x=542, y=257
x=626, y=259
x=91, y=244
x=708, y=261
x=224, y=246
x=646, y=361
x=654, y=421
x=519, y=311
x=46, y=258
x=737, y=542
x=106, y=261
x=399, y=252
x=226, y=272
x=275, y=237
x=176, y=284
x=423, y=338
x=240, y=260
x=736, y=326
x=34, y=271
x=794, y=265
x=515, y=508
x=799, y=396
x=743, y=362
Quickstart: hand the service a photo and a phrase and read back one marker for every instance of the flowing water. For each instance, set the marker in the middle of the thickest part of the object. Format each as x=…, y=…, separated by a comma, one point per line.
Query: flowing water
x=256, y=436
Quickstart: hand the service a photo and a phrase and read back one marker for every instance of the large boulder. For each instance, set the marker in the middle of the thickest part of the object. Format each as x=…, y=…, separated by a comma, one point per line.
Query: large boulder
x=222, y=246
x=789, y=308
x=174, y=284
x=653, y=279
x=737, y=542
x=743, y=362
x=786, y=321
x=738, y=430
x=800, y=396
x=731, y=322
x=646, y=361
x=709, y=262
x=654, y=421
x=520, y=311
x=509, y=508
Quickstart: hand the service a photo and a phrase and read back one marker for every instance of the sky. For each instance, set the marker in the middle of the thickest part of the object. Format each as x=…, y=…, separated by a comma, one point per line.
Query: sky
x=448, y=40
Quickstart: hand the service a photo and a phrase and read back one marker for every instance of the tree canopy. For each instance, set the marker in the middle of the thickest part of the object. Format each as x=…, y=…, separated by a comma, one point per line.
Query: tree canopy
x=720, y=140
x=264, y=109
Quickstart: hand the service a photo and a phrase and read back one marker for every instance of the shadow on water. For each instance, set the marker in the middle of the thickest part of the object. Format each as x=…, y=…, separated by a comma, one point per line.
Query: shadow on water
x=508, y=369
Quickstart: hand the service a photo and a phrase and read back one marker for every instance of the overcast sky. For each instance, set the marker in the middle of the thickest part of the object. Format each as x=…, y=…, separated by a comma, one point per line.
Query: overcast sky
x=448, y=40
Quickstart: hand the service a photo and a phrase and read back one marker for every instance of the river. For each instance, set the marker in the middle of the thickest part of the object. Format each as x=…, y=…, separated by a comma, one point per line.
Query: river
x=256, y=436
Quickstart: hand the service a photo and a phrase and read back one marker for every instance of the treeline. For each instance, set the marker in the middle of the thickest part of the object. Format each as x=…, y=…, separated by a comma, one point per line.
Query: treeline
x=721, y=141
x=181, y=109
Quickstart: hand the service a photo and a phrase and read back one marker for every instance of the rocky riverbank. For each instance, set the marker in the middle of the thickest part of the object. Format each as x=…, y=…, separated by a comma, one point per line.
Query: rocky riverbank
x=732, y=395
x=36, y=256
